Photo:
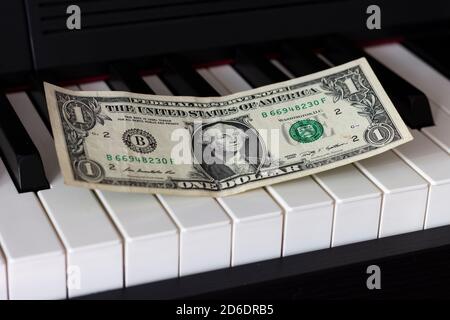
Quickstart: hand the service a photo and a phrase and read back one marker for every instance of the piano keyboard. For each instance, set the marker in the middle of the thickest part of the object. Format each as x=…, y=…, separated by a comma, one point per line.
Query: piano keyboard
x=66, y=242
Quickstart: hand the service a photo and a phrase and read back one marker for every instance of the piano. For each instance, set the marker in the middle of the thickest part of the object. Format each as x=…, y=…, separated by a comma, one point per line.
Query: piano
x=313, y=237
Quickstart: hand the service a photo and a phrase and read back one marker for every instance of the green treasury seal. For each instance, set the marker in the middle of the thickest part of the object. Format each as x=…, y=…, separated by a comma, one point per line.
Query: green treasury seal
x=306, y=131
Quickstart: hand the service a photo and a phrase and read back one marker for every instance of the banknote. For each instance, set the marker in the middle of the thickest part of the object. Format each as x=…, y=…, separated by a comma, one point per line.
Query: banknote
x=218, y=146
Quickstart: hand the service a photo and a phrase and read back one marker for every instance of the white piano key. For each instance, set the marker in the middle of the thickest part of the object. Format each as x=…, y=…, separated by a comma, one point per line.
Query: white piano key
x=34, y=254
x=92, y=86
x=205, y=233
x=94, y=249
x=301, y=215
x=434, y=165
x=282, y=68
x=213, y=81
x=404, y=193
x=257, y=219
x=150, y=237
x=93, y=246
x=155, y=83
x=257, y=226
x=440, y=132
x=229, y=78
x=308, y=215
x=397, y=215
x=3, y=284
x=205, y=229
x=416, y=71
x=357, y=204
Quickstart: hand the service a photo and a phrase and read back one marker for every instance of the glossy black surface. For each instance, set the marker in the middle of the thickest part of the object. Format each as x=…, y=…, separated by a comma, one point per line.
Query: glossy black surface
x=300, y=59
x=123, y=29
x=432, y=49
x=125, y=77
x=37, y=96
x=182, y=79
x=255, y=68
x=18, y=152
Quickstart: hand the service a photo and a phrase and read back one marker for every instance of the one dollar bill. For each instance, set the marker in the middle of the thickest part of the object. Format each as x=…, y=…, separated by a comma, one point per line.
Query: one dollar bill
x=218, y=146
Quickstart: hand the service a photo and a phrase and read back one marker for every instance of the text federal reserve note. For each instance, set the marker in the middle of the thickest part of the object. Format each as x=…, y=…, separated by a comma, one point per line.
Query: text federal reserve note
x=218, y=146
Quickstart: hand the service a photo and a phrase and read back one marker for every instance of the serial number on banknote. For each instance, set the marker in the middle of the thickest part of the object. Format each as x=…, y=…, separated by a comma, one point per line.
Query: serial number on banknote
x=147, y=160
x=293, y=109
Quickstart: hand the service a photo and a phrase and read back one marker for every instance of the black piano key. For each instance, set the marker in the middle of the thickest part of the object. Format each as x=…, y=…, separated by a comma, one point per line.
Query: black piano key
x=20, y=155
x=431, y=50
x=37, y=96
x=410, y=102
x=340, y=50
x=124, y=77
x=182, y=79
x=300, y=60
x=256, y=69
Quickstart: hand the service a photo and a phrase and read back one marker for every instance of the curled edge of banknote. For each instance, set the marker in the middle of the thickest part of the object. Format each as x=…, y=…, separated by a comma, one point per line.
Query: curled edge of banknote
x=66, y=167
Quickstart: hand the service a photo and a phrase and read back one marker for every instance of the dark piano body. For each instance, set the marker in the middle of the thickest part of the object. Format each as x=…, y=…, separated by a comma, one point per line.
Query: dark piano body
x=120, y=40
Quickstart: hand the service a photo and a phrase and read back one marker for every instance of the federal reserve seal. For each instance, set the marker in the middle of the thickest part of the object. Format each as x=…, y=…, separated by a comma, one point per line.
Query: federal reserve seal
x=305, y=131
x=379, y=134
x=139, y=140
